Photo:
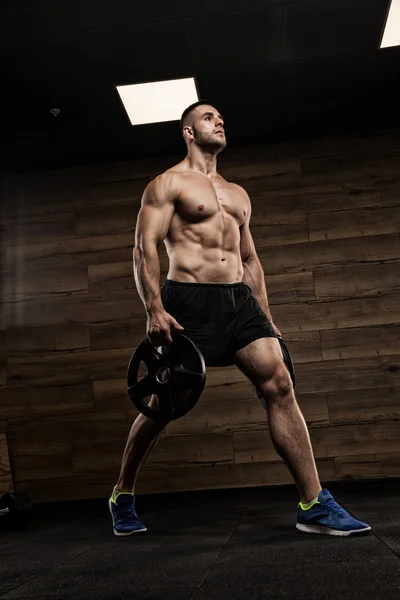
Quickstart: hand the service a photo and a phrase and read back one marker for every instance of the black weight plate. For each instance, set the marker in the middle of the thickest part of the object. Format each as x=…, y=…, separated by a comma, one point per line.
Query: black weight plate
x=177, y=377
x=15, y=510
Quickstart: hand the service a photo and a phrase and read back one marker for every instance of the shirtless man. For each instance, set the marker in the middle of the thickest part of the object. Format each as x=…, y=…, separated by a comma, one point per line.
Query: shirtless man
x=215, y=292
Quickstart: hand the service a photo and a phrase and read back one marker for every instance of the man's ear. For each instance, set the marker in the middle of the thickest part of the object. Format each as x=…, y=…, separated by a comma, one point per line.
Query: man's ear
x=188, y=132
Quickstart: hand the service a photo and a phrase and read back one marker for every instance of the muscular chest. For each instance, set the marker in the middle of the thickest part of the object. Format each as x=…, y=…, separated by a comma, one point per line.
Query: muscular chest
x=202, y=199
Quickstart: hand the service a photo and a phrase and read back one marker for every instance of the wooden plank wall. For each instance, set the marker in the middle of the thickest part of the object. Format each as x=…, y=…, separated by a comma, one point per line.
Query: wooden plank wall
x=326, y=219
x=6, y=483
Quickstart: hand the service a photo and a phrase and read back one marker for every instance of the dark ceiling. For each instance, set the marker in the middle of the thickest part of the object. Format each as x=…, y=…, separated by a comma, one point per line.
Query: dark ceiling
x=276, y=69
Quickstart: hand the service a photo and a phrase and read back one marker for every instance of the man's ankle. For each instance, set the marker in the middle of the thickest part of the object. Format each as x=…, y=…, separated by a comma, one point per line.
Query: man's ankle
x=124, y=489
x=117, y=492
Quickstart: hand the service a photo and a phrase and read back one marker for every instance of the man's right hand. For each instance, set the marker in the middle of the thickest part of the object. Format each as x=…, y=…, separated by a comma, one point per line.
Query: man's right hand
x=159, y=324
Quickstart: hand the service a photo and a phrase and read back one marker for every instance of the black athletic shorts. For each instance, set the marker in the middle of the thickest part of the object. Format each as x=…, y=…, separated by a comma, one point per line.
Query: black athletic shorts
x=220, y=318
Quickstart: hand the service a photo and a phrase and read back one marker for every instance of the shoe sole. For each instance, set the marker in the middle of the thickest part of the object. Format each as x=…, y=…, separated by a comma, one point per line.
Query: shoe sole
x=327, y=531
x=119, y=534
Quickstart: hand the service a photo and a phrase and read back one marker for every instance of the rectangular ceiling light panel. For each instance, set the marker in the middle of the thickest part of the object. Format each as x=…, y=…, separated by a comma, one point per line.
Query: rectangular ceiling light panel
x=391, y=35
x=157, y=101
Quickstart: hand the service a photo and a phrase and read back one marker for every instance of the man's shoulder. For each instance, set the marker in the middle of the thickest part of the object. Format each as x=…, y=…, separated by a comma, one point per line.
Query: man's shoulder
x=165, y=177
x=165, y=183
x=169, y=175
x=240, y=189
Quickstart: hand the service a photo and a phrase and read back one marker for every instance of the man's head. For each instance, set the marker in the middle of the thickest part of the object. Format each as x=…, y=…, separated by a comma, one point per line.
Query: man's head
x=202, y=125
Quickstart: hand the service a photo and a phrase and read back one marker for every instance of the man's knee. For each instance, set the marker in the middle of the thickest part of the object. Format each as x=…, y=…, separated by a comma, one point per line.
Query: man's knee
x=279, y=387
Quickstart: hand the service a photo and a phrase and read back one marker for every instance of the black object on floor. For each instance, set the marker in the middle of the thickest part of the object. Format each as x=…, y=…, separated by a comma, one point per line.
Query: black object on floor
x=217, y=545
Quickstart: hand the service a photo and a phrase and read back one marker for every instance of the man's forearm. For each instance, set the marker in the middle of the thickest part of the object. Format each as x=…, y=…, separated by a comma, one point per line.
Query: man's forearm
x=146, y=270
x=253, y=276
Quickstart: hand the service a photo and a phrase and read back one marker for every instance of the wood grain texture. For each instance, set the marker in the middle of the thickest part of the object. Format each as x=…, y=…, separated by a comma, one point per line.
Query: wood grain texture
x=133, y=174
x=238, y=475
x=111, y=394
x=290, y=287
x=353, y=223
x=79, y=252
x=357, y=282
x=68, y=369
x=364, y=405
x=44, y=340
x=67, y=429
x=291, y=258
x=2, y=312
x=22, y=403
x=317, y=199
x=3, y=373
x=337, y=314
x=73, y=487
x=368, y=466
x=326, y=224
x=6, y=481
x=111, y=221
x=38, y=228
x=199, y=449
x=42, y=462
x=338, y=168
x=111, y=276
x=390, y=191
x=95, y=307
x=327, y=442
x=381, y=340
x=351, y=374
x=28, y=284
x=274, y=174
x=279, y=230
x=58, y=193
x=355, y=439
x=119, y=333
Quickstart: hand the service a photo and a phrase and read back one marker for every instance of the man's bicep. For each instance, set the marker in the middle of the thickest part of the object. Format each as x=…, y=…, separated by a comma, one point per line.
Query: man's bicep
x=155, y=215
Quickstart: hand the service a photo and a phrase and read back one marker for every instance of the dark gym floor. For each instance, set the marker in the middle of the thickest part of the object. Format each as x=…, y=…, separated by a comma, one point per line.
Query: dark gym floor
x=217, y=545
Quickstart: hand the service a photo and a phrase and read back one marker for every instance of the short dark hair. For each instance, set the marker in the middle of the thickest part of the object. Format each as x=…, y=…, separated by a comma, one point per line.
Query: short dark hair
x=192, y=107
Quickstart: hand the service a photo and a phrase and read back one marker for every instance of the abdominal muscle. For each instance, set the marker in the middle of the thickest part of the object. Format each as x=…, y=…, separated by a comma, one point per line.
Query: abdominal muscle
x=206, y=266
x=194, y=261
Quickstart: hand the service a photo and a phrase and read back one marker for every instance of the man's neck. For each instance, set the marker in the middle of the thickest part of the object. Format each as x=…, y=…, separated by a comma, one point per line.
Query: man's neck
x=202, y=162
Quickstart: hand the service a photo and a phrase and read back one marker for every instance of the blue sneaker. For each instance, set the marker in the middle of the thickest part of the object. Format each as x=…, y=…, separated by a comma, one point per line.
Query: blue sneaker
x=125, y=519
x=326, y=516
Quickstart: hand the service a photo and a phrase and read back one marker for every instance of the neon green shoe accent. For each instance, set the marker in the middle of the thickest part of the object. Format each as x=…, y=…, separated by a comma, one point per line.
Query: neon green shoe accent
x=308, y=506
x=115, y=495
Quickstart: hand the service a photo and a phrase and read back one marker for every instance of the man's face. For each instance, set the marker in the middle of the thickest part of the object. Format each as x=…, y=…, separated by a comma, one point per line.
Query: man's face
x=208, y=128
